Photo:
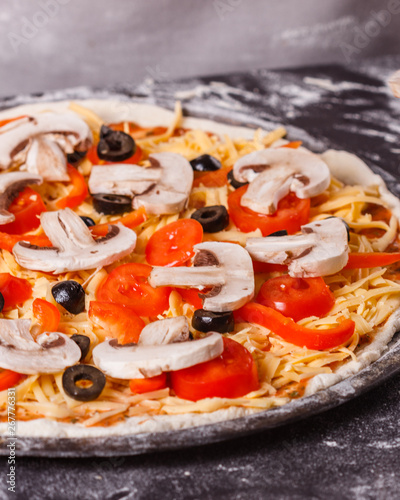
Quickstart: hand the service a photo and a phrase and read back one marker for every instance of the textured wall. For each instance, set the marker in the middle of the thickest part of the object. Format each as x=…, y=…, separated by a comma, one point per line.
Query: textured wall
x=47, y=44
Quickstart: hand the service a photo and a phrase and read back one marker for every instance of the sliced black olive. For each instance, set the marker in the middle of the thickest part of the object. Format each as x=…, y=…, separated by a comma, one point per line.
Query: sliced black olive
x=70, y=295
x=83, y=344
x=233, y=182
x=111, y=204
x=76, y=157
x=282, y=232
x=1, y=302
x=77, y=373
x=88, y=221
x=115, y=145
x=207, y=321
x=345, y=223
x=213, y=219
x=205, y=163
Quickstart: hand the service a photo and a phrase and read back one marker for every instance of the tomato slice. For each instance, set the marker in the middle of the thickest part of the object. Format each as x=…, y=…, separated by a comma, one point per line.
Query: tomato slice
x=78, y=192
x=91, y=155
x=14, y=290
x=121, y=322
x=291, y=214
x=365, y=260
x=8, y=379
x=297, y=298
x=217, y=178
x=143, y=385
x=191, y=296
x=231, y=375
x=290, y=331
x=172, y=245
x=127, y=285
x=47, y=315
x=7, y=241
x=132, y=220
x=26, y=208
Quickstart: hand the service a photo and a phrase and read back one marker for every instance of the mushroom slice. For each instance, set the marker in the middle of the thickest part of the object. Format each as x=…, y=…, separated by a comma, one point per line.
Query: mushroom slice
x=273, y=173
x=226, y=267
x=11, y=183
x=51, y=353
x=320, y=250
x=142, y=361
x=73, y=249
x=165, y=331
x=66, y=128
x=163, y=188
x=45, y=157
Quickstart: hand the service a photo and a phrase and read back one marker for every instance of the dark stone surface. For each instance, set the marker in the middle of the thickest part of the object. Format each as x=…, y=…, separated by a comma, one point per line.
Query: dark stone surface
x=351, y=452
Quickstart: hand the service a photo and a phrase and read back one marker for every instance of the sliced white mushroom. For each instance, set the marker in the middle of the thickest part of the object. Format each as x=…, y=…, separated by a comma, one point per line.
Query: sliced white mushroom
x=142, y=361
x=11, y=183
x=67, y=129
x=45, y=157
x=273, y=173
x=226, y=267
x=163, y=188
x=74, y=248
x=50, y=353
x=321, y=249
x=165, y=331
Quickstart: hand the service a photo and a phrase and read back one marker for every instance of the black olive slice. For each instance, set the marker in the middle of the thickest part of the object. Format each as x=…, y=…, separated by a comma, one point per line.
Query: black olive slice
x=213, y=219
x=83, y=344
x=282, y=232
x=233, y=182
x=76, y=157
x=345, y=223
x=70, y=295
x=76, y=373
x=1, y=302
x=88, y=221
x=207, y=321
x=115, y=145
x=205, y=163
x=111, y=204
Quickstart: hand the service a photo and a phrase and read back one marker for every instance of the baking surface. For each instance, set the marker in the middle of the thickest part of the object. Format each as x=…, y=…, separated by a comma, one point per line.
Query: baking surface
x=360, y=116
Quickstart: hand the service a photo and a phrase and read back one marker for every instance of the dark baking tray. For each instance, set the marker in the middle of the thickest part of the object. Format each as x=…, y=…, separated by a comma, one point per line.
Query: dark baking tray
x=330, y=106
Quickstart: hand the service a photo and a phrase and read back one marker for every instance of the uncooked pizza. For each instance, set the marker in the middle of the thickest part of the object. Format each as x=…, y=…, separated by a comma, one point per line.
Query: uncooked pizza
x=160, y=272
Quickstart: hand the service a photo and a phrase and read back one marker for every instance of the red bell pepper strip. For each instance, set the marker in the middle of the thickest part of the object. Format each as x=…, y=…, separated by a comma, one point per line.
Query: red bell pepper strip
x=131, y=220
x=290, y=331
x=78, y=192
x=7, y=241
x=365, y=260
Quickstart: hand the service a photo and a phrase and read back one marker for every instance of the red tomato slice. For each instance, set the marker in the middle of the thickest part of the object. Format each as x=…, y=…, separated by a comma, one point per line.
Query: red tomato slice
x=47, y=315
x=8, y=379
x=290, y=331
x=191, y=296
x=172, y=245
x=78, y=192
x=231, y=375
x=365, y=260
x=131, y=220
x=26, y=208
x=127, y=285
x=143, y=385
x=291, y=214
x=121, y=322
x=14, y=290
x=297, y=298
x=7, y=241
x=91, y=155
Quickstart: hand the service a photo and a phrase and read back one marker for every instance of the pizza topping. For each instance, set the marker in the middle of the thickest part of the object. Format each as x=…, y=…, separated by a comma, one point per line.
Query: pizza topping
x=73, y=248
x=76, y=157
x=66, y=129
x=162, y=188
x=226, y=267
x=83, y=342
x=207, y=321
x=11, y=184
x=205, y=163
x=88, y=221
x=213, y=219
x=51, y=353
x=70, y=295
x=273, y=173
x=111, y=204
x=142, y=361
x=321, y=249
x=165, y=331
x=93, y=379
x=233, y=182
x=46, y=158
x=115, y=145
